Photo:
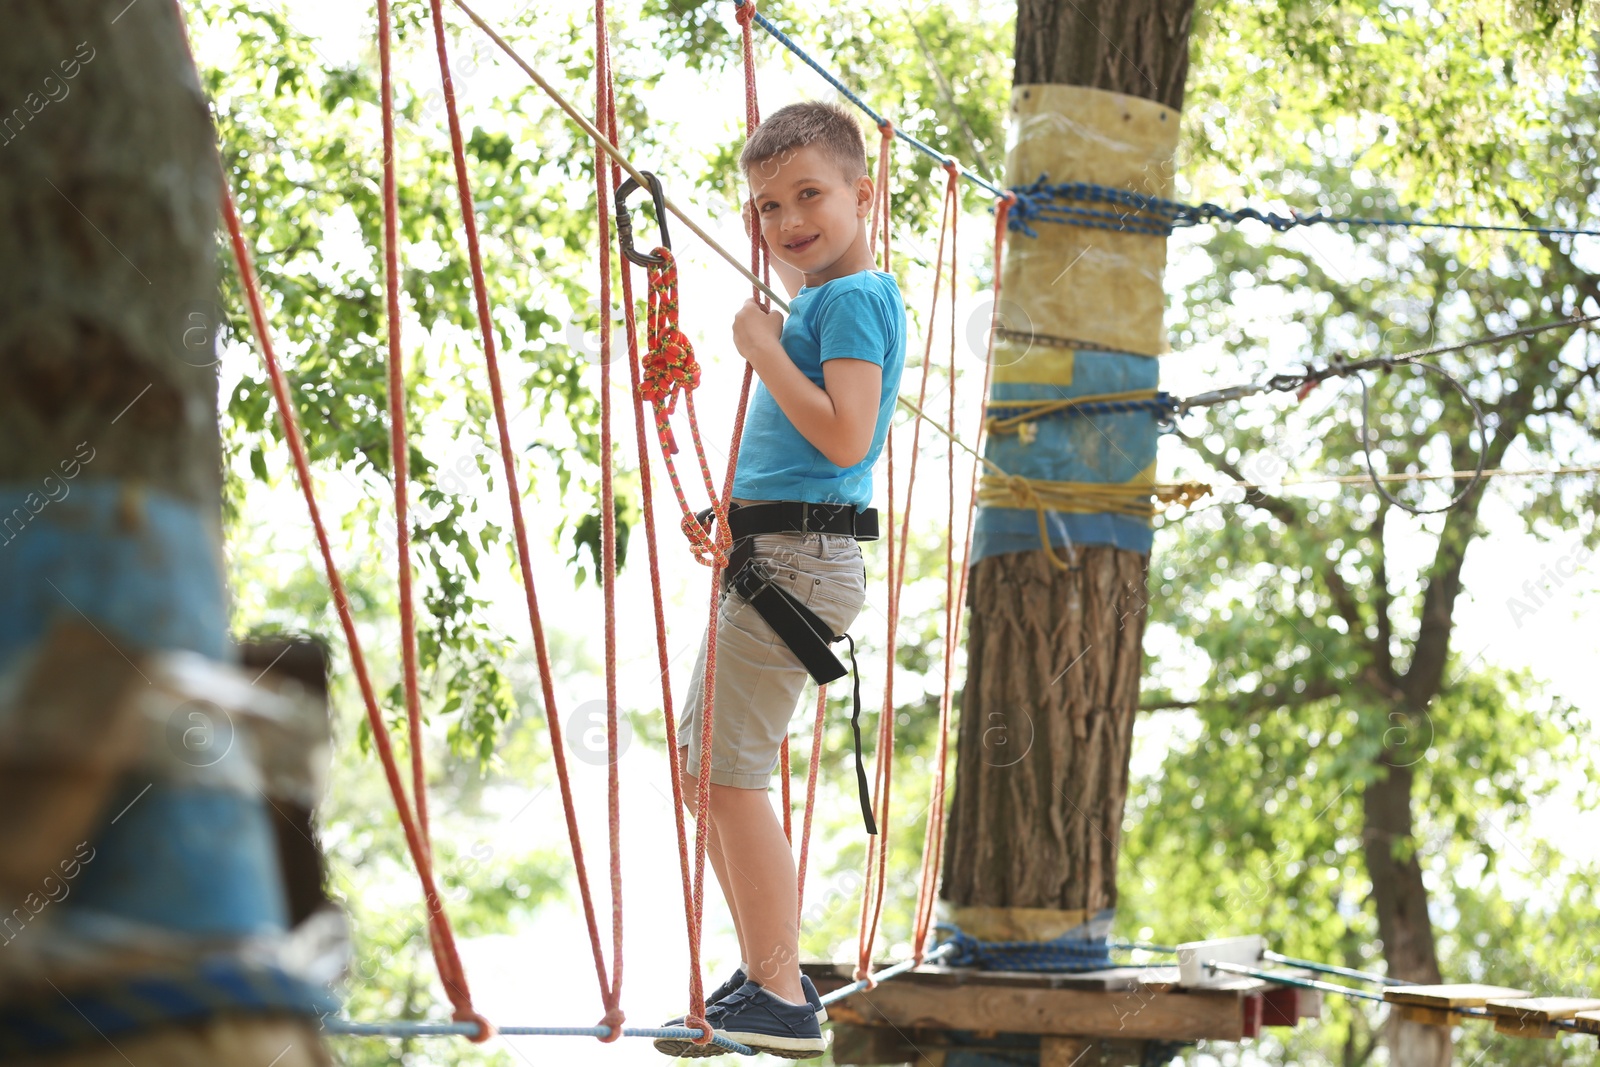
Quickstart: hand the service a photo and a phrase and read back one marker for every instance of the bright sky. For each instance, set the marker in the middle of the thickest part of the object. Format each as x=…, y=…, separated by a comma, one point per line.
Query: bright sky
x=541, y=975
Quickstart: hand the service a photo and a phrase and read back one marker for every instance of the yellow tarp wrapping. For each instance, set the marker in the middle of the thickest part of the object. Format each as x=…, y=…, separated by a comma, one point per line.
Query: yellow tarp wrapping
x=1098, y=288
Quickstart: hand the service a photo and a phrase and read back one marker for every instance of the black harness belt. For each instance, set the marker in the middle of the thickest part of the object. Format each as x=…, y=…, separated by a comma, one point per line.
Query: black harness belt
x=796, y=625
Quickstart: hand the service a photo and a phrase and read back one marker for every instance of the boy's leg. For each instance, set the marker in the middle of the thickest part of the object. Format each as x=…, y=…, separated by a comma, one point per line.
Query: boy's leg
x=719, y=861
x=761, y=863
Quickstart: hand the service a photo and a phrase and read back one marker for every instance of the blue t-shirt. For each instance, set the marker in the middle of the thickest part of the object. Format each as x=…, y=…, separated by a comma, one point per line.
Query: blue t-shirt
x=858, y=316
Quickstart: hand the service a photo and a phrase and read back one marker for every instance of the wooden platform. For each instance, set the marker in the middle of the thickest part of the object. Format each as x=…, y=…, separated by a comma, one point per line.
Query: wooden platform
x=1124, y=1004
x=1450, y=996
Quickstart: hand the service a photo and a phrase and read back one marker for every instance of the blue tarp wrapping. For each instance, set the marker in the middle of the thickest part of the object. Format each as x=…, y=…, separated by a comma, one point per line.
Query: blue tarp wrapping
x=1103, y=448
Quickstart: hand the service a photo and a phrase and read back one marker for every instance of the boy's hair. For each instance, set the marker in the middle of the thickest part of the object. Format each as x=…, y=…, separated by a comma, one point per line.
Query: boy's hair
x=828, y=126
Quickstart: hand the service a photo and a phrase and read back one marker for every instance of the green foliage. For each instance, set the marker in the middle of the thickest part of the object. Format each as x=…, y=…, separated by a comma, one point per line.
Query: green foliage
x=485, y=892
x=940, y=72
x=1317, y=641
x=1326, y=642
x=302, y=152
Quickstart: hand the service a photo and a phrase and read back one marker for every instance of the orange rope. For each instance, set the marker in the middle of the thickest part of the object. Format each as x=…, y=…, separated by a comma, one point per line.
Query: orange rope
x=933, y=837
x=877, y=860
x=441, y=937
x=811, y=797
x=604, y=107
x=880, y=195
x=609, y=993
x=671, y=372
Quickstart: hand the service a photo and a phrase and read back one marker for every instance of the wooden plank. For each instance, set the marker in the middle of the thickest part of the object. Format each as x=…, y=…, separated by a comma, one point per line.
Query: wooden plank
x=1588, y=1021
x=830, y=976
x=1543, y=1009
x=1115, y=980
x=1467, y=995
x=1254, y=1014
x=1506, y=1024
x=876, y=1046
x=1162, y=978
x=1188, y=1016
x=1281, y=1006
x=1427, y=1016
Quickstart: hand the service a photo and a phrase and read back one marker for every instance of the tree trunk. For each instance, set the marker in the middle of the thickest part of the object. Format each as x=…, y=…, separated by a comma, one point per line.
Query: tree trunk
x=108, y=196
x=1055, y=655
x=1402, y=903
x=110, y=479
x=1053, y=683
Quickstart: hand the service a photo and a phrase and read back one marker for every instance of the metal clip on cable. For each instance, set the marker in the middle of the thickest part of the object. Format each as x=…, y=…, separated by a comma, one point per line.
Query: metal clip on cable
x=625, y=221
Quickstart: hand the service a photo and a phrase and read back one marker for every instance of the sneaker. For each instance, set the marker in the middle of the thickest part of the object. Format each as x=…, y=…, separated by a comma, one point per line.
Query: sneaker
x=684, y=1046
x=813, y=1000
x=766, y=1023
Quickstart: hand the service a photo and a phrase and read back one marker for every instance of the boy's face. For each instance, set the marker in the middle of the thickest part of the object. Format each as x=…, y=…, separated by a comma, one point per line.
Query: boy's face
x=811, y=213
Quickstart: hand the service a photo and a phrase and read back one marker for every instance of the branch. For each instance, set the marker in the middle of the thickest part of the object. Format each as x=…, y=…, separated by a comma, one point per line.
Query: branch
x=1344, y=602
x=1383, y=599
x=1425, y=676
x=1505, y=420
x=1254, y=701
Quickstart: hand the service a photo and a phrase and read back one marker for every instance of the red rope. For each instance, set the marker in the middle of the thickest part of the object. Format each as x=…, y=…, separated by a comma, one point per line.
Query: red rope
x=877, y=864
x=788, y=802
x=933, y=837
x=397, y=427
x=695, y=1017
x=1002, y=213
x=811, y=797
x=955, y=605
x=441, y=937
x=519, y=526
x=671, y=372
x=647, y=496
x=608, y=527
x=880, y=194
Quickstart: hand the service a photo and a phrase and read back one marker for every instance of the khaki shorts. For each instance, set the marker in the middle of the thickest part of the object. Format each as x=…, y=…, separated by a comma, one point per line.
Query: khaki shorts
x=759, y=680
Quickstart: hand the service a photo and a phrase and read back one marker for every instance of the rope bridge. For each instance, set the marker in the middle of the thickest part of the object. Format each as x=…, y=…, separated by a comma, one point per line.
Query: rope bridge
x=665, y=374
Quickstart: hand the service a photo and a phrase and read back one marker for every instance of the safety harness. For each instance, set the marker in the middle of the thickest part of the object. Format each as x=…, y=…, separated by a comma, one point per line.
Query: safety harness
x=796, y=625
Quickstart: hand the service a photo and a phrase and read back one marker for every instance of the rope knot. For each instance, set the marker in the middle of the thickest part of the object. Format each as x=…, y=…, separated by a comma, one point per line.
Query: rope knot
x=613, y=1020
x=698, y=1022
x=670, y=368
x=706, y=549
x=1022, y=489
x=468, y=1014
x=886, y=128
x=744, y=11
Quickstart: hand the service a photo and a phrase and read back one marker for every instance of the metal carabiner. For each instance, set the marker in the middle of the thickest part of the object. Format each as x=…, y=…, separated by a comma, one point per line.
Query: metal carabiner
x=625, y=222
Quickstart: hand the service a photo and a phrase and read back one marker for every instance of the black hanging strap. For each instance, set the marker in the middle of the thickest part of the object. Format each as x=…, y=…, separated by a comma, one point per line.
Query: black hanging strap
x=807, y=636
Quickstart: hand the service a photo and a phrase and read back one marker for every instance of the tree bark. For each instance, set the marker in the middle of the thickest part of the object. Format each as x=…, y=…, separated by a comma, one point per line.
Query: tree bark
x=1055, y=657
x=1053, y=687
x=108, y=211
x=1137, y=47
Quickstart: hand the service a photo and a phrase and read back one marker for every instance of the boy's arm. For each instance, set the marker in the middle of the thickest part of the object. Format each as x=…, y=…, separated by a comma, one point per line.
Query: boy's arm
x=838, y=419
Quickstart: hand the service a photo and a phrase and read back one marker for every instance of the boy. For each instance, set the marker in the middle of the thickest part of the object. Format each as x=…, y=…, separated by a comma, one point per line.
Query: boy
x=816, y=424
